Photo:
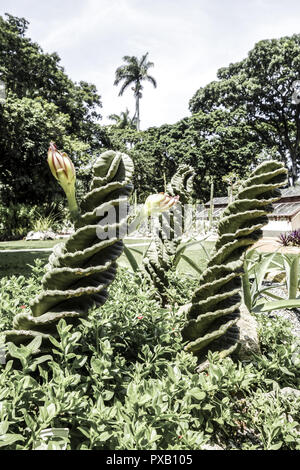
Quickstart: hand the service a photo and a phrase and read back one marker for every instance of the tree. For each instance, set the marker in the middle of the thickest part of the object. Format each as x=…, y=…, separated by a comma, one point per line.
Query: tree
x=139, y=146
x=123, y=120
x=134, y=72
x=26, y=127
x=211, y=143
x=42, y=104
x=258, y=91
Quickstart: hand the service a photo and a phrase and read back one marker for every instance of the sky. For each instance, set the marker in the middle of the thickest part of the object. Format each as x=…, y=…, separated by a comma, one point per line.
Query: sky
x=187, y=40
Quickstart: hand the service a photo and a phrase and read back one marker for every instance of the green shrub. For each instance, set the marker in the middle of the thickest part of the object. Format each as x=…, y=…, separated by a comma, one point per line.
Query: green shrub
x=16, y=220
x=122, y=381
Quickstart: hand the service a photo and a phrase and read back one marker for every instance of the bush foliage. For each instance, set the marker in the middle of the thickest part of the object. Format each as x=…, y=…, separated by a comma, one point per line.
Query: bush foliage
x=122, y=381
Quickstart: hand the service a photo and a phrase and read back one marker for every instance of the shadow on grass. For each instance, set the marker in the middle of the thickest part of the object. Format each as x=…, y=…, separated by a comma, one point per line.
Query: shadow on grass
x=19, y=264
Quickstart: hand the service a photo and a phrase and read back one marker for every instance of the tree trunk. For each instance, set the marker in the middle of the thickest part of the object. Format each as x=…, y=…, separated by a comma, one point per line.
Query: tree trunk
x=293, y=156
x=295, y=150
x=137, y=111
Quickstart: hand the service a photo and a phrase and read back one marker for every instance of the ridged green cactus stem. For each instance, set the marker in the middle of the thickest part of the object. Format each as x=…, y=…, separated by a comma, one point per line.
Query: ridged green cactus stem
x=211, y=205
x=214, y=309
x=181, y=183
x=159, y=258
x=80, y=269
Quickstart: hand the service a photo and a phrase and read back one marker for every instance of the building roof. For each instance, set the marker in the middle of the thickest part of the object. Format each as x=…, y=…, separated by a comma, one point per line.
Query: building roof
x=282, y=210
x=289, y=195
x=285, y=209
x=292, y=191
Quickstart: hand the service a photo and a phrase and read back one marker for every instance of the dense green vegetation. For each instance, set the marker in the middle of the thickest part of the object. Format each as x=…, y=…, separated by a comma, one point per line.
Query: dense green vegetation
x=42, y=104
x=20, y=262
x=257, y=94
x=240, y=119
x=122, y=378
x=122, y=381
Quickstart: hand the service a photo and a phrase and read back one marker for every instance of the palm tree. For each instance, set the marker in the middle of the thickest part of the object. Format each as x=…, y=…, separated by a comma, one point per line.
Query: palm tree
x=134, y=72
x=123, y=120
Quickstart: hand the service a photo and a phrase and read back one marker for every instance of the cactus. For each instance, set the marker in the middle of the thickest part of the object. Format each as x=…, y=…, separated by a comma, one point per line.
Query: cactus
x=214, y=309
x=181, y=183
x=80, y=270
x=161, y=253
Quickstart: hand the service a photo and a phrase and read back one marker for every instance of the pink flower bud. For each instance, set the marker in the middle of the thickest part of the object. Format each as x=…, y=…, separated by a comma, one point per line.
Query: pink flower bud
x=61, y=166
x=63, y=170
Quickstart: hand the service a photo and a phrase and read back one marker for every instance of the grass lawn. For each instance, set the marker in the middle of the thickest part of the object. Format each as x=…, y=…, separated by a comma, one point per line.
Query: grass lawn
x=197, y=253
x=12, y=262
x=27, y=245
x=122, y=379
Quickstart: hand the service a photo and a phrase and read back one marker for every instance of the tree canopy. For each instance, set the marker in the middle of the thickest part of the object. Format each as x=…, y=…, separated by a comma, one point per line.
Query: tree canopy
x=134, y=72
x=42, y=104
x=258, y=91
x=209, y=142
x=247, y=115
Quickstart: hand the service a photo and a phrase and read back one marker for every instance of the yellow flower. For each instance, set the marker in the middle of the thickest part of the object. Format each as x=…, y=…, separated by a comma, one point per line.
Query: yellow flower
x=156, y=203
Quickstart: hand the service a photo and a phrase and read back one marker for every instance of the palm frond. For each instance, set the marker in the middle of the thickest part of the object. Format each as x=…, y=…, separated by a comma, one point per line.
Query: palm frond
x=125, y=85
x=151, y=80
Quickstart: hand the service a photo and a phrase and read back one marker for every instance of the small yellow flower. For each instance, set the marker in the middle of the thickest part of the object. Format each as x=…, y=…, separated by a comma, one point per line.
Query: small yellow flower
x=157, y=203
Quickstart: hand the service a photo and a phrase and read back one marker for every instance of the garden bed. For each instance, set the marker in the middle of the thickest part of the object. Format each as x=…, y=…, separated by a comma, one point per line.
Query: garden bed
x=122, y=381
